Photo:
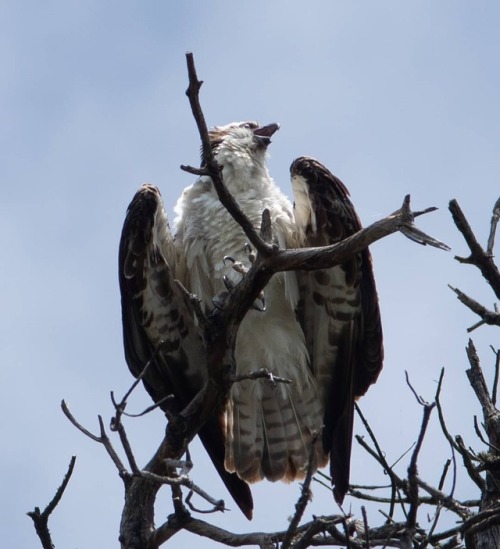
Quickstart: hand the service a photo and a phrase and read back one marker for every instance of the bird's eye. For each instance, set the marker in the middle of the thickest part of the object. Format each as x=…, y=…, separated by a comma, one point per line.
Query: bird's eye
x=248, y=125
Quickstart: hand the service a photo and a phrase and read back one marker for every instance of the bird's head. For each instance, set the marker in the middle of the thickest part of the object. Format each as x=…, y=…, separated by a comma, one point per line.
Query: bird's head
x=241, y=144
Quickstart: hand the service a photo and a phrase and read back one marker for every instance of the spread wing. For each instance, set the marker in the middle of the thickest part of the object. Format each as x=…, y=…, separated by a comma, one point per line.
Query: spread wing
x=158, y=327
x=338, y=310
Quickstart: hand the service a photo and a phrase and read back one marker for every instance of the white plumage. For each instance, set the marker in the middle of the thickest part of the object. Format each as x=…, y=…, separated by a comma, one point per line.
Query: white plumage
x=269, y=427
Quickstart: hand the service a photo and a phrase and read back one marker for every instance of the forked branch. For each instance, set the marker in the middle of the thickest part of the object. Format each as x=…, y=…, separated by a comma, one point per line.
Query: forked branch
x=41, y=519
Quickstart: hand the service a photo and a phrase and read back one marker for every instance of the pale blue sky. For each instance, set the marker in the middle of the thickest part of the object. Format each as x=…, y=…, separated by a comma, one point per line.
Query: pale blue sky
x=394, y=97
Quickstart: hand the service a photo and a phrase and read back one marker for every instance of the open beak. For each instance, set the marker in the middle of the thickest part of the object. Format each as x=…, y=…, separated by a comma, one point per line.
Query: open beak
x=264, y=133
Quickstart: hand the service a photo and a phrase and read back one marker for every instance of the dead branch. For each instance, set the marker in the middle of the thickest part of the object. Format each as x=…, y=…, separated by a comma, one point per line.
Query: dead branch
x=453, y=445
x=437, y=497
x=101, y=439
x=365, y=526
x=321, y=531
x=41, y=519
x=412, y=469
x=397, y=483
x=494, y=221
x=263, y=373
x=487, y=317
x=440, y=498
x=213, y=169
x=479, y=258
x=478, y=384
x=467, y=459
x=305, y=496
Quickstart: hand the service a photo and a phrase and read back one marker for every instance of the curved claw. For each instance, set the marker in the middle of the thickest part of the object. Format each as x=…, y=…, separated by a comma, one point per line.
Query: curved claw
x=250, y=253
x=255, y=305
x=228, y=258
x=228, y=283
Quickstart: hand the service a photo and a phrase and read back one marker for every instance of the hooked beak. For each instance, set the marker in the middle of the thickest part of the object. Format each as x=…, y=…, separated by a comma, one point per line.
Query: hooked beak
x=264, y=133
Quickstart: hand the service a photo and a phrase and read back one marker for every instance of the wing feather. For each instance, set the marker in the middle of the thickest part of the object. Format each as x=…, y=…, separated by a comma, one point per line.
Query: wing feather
x=158, y=327
x=338, y=310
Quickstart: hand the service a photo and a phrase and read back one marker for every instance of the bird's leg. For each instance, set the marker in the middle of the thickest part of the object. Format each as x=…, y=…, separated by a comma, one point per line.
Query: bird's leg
x=260, y=303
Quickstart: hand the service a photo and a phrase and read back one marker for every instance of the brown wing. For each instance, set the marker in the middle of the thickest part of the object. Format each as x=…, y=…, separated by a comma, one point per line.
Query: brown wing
x=338, y=310
x=158, y=326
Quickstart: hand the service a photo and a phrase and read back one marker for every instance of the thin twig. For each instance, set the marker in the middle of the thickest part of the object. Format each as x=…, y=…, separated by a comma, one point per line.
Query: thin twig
x=444, y=474
x=305, y=495
x=419, y=399
x=367, y=497
x=365, y=524
x=412, y=469
x=487, y=317
x=263, y=373
x=494, y=389
x=432, y=528
x=80, y=427
x=120, y=406
x=211, y=166
x=127, y=447
x=446, y=501
x=494, y=221
x=41, y=519
x=102, y=439
x=218, y=506
x=396, y=482
x=347, y=534
x=482, y=439
x=145, y=412
x=444, y=429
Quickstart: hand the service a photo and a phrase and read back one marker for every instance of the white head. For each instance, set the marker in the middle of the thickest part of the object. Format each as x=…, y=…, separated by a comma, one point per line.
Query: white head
x=241, y=145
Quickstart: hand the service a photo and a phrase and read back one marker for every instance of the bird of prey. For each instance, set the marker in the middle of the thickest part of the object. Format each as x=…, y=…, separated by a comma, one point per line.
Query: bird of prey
x=321, y=329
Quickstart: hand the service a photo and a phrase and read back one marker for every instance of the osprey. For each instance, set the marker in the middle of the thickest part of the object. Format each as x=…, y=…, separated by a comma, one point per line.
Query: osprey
x=321, y=329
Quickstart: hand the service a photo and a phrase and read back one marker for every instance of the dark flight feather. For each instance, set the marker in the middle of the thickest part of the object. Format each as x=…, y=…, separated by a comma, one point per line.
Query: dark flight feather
x=159, y=329
x=341, y=301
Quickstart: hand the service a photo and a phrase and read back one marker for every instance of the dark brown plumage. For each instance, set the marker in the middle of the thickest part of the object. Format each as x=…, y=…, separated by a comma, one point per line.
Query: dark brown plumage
x=159, y=328
x=349, y=358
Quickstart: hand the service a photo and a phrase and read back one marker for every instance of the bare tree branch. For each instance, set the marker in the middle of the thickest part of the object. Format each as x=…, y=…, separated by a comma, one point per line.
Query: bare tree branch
x=263, y=373
x=478, y=384
x=102, y=439
x=412, y=469
x=487, y=317
x=396, y=482
x=213, y=169
x=41, y=519
x=305, y=496
x=497, y=376
x=483, y=261
x=494, y=222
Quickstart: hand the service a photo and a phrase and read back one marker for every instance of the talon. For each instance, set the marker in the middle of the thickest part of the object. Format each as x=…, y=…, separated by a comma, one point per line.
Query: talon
x=262, y=299
x=228, y=283
x=260, y=302
x=240, y=268
x=250, y=253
